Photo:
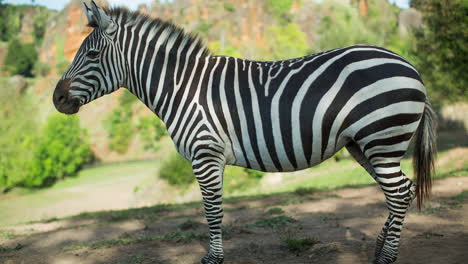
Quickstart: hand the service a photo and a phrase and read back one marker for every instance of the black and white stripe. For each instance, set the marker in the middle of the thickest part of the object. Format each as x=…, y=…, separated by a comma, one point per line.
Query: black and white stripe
x=270, y=116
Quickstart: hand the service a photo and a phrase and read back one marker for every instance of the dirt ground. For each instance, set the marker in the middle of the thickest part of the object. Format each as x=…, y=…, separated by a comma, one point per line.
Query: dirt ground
x=341, y=227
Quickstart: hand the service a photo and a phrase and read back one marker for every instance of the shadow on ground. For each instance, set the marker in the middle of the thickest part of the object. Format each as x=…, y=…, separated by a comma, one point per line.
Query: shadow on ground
x=307, y=227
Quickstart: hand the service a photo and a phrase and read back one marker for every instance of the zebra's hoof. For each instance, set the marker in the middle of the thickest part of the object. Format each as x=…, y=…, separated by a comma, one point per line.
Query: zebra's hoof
x=211, y=259
x=384, y=260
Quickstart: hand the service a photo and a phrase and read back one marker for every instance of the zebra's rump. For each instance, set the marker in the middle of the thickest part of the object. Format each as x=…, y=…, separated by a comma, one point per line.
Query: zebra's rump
x=291, y=115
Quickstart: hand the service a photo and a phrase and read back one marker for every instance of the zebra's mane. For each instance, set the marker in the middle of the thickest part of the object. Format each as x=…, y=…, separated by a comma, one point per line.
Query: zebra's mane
x=176, y=33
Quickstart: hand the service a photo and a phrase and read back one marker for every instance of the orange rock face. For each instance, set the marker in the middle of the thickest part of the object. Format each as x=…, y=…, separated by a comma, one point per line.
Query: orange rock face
x=75, y=33
x=363, y=8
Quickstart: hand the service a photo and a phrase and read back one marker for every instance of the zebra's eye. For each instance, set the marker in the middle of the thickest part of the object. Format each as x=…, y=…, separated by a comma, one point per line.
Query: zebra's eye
x=92, y=54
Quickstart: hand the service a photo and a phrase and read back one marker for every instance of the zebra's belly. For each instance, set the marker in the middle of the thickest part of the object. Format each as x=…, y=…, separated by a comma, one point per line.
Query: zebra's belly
x=267, y=160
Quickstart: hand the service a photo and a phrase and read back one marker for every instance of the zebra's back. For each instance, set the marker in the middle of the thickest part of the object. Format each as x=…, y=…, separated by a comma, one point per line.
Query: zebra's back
x=293, y=114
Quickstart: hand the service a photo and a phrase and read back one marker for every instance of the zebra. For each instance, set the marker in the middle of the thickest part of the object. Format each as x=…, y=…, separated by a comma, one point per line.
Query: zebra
x=273, y=116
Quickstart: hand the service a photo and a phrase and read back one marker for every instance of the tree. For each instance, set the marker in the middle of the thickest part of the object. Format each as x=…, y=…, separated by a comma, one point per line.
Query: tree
x=21, y=58
x=442, y=48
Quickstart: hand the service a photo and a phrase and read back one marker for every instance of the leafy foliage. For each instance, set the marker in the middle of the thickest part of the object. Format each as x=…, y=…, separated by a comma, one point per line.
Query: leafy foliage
x=285, y=42
x=30, y=156
x=11, y=22
x=224, y=50
x=177, y=171
x=151, y=130
x=203, y=28
x=18, y=136
x=229, y=7
x=21, y=58
x=119, y=124
x=239, y=179
x=40, y=24
x=344, y=27
x=279, y=7
x=62, y=151
x=442, y=48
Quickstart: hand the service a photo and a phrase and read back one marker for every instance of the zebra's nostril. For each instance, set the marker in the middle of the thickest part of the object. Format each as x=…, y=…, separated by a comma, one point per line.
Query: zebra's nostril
x=61, y=99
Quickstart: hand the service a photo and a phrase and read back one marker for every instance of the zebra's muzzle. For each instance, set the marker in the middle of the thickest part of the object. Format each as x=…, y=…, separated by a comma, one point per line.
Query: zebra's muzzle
x=63, y=102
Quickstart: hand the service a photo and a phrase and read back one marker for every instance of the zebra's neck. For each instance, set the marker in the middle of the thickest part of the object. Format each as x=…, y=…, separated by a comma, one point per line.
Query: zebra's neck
x=162, y=62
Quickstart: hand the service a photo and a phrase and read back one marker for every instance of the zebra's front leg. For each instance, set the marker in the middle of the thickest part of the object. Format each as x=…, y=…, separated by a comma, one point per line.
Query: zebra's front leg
x=209, y=175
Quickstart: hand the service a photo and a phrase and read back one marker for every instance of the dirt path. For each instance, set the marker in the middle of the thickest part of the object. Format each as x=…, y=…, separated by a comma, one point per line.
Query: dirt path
x=340, y=227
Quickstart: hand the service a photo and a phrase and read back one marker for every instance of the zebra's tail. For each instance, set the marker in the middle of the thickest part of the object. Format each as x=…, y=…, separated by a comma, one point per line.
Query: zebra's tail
x=425, y=150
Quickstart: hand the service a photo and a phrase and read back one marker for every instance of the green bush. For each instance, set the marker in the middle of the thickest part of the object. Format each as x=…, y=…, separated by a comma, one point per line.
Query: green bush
x=177, y=171
x=19, y=136
x=21, y=58
x=237, y=179
x=120, y=125
x=151, y=130
x=32, y=156
x=61, y=152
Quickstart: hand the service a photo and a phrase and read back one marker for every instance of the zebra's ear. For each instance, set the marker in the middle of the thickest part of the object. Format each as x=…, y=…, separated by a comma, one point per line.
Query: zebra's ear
x=92, y=21
x=97, y=17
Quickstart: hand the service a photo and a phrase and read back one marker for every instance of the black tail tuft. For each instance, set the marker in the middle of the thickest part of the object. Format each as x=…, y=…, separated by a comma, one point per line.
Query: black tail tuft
x=424, y=154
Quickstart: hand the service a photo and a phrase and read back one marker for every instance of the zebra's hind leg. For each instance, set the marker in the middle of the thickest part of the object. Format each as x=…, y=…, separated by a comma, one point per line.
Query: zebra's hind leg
x=357, y=154
x=399, y=192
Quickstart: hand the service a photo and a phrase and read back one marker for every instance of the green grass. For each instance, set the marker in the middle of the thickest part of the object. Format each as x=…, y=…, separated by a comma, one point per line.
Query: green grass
x=461, y=196
x=275, y=211
x=7, y=249
x=332, y=175
x=63, y=190
x=8, y=234
x=297, y=245
x=455, y=201
x=138, y=260
x=106, y=172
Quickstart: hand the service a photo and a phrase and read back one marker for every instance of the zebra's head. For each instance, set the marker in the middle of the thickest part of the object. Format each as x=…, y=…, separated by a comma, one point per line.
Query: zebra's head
x=97, y=68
